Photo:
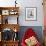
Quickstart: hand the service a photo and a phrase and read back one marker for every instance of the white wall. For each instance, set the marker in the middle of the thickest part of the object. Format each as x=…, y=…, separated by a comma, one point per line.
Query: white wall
x=31, y=3
x=23, y=4
x=7, y=3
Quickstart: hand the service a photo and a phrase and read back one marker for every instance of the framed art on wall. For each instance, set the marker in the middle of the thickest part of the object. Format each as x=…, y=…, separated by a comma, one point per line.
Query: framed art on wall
x=31, y=13
x=5, y=12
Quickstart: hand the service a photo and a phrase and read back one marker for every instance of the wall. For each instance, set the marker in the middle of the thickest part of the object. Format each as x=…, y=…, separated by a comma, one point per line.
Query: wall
x=6, y=3
x=23, y=4
x=31, y=3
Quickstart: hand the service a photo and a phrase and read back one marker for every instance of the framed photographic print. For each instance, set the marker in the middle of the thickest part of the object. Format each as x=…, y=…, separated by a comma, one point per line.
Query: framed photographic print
x=5, y=12
x=31, y=13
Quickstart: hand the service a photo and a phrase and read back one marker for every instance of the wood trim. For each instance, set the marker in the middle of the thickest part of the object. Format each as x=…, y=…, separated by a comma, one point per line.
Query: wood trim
x=44, y=8
x=5, y=8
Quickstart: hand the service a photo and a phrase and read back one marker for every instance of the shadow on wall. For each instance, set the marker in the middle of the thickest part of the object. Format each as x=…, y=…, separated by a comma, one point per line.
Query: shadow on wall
x=37, y=29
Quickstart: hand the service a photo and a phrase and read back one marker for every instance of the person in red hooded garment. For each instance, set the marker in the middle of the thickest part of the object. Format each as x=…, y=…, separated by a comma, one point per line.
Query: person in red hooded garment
x=30, y=38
